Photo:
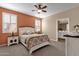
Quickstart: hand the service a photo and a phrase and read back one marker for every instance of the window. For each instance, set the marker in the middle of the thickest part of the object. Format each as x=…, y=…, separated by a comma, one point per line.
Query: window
x=9, y=23
x=37, y=25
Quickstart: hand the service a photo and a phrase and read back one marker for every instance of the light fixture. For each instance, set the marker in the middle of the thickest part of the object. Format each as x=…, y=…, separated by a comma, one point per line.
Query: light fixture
x=40, y=8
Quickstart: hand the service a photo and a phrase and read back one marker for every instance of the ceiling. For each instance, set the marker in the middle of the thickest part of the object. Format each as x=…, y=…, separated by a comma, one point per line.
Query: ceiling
x=27, y=8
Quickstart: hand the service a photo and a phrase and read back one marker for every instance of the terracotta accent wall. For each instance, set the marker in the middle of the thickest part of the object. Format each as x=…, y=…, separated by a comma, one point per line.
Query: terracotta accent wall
x=22, y=20
x=0, y=24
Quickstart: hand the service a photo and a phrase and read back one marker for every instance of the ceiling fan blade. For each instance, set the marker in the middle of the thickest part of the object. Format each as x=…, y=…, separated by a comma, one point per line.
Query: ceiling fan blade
x=44, y=11
x=44, y=7
x=39, y=6
x=36, y=6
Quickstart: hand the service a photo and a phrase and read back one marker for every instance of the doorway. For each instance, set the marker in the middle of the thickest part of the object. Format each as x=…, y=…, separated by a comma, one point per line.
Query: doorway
x=62, y=28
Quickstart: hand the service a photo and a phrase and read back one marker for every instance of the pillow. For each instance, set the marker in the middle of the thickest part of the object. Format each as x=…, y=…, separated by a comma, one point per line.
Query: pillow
x=38, y=32
x=25, y=33
x=29, y=32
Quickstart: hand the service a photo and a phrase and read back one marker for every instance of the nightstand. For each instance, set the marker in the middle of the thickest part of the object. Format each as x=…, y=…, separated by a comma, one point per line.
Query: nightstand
x=12, y=40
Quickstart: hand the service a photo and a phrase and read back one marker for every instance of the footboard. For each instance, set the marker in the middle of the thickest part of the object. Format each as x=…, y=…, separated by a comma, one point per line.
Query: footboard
x=33, y=41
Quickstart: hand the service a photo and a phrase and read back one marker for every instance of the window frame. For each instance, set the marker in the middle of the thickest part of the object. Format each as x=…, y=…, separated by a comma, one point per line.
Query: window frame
x=38, y=27
x=10, y=15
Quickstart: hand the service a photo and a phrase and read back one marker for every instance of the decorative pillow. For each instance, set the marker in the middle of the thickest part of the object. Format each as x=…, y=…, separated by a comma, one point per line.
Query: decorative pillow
x=29, y=32
x=25, y=33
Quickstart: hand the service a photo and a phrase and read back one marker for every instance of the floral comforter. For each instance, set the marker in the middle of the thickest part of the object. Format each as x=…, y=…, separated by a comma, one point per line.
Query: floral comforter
x=36, y=40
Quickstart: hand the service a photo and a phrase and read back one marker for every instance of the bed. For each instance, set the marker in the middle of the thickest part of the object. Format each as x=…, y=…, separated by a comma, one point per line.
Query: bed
x=31, y=40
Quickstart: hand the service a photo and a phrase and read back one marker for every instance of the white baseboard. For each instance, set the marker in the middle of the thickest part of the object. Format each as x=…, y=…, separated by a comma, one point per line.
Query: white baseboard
x=3, y=45
x=53, y=40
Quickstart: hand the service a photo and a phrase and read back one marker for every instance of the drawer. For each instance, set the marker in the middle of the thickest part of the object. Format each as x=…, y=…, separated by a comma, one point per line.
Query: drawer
x=12, y=40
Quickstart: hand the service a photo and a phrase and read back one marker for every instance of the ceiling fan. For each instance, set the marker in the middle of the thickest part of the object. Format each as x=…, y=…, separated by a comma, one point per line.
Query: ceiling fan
x=40, y=8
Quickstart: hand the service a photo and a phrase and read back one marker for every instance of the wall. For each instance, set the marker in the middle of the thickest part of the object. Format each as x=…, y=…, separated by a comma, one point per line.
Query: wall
x=49, y=23
x=22, y=20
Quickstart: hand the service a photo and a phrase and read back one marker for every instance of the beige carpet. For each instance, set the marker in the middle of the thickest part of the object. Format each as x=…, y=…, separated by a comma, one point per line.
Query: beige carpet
x=56, y=49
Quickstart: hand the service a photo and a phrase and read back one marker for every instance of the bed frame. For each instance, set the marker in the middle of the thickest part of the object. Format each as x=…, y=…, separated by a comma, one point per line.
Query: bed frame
x=24, y=29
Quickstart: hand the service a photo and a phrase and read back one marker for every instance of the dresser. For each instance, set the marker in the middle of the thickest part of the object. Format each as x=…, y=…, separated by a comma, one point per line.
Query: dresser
x=72, y=45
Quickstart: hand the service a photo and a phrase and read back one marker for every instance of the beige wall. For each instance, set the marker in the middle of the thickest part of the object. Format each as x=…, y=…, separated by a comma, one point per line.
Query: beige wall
x=49, y=23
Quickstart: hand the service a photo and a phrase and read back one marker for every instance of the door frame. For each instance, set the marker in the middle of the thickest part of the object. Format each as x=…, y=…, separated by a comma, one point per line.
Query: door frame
x=57, y=26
